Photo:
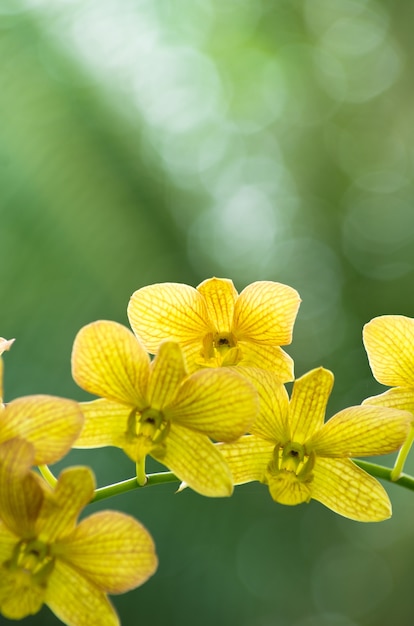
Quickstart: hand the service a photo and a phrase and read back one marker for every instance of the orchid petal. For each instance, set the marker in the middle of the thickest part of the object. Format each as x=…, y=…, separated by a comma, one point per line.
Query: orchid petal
x=268, y=358
x=167, y=372
x=247, y=458
x=217, y=402
x=105, y=424
x=21, y=495
x=308, y=403
x=51, y=424
x=389, y=342
x=60, y=510
x=265, y=312
x=271, y=422
x=8, y=540
x=196, y=461
x=362, y=431
x=396, y=398
x=168, y=311
x=112, y=550
x=19, y=596
x=220, y=296
x=194, y=356
x=108, y=361
x=5, y=344
x=77, y=601
x=286, y=488
x=349, y=491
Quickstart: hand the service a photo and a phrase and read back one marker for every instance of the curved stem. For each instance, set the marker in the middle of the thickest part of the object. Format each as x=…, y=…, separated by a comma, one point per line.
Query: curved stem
x=132, y=483
x=379, y=471
x=386, y=473
x=49, y=477
x=402, y=455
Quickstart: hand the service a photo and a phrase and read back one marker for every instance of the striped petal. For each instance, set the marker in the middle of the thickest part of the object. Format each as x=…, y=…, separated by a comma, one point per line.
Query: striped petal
x=168, y=311
x=389, y=342
x=308, y=403
x=8, y=541
x=21, y=495
x=77, y=601
x=19, y=595
x=268, y=358
x=220, y=296
x=265, y=312
x=247, y=458
x=349, y=491
x=108, y=361
x=73, y=491
x=167, y=372
x=286, y=488
x=196, y=461
x=112, y=550
x=51, y=424
x=396, y=398
x=271, y=421
x=193, y=356
x=108, y=423
x=217, y=402
x=105, y=424
x=362, y=431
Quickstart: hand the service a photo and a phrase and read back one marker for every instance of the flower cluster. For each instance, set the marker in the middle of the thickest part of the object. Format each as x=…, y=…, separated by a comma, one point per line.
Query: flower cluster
x=200, y=386
x=287, y=447
x=45, y=557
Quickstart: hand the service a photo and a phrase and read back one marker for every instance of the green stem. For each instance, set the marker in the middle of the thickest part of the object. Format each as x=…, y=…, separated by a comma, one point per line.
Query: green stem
x=402, y=455
x=141, y=475
x=49, y=477
x=386, y=473
x=160, y=478
x=132, y=483
x=379, y=471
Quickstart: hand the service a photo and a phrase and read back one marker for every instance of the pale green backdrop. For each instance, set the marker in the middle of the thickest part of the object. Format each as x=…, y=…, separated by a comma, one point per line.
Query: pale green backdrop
x=170, y=140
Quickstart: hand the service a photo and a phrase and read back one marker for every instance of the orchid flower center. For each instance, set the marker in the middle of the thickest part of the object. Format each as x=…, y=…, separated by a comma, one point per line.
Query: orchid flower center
x=293, y=458
x=148, y=426
x=31, y=558
x=220, y=349
x=223, y=342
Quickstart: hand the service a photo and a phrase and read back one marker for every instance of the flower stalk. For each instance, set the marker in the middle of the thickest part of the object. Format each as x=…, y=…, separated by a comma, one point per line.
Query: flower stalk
x=212, y=407
x=130, y=484
x=162, y=478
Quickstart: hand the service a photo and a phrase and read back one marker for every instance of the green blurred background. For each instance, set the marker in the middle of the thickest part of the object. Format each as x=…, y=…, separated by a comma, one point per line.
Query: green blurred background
x=146, y=141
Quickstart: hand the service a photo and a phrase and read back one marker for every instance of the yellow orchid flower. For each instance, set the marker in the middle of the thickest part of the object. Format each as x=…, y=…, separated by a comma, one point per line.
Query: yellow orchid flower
x=154, y=408
x=300, y=457
x=45, y=558
x=50, y=423
x=216, y=326
x=5, y=344
x=389, y=342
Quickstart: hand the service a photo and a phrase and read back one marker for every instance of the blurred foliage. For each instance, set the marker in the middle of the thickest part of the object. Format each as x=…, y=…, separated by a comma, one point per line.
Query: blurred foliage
x=146, y=141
